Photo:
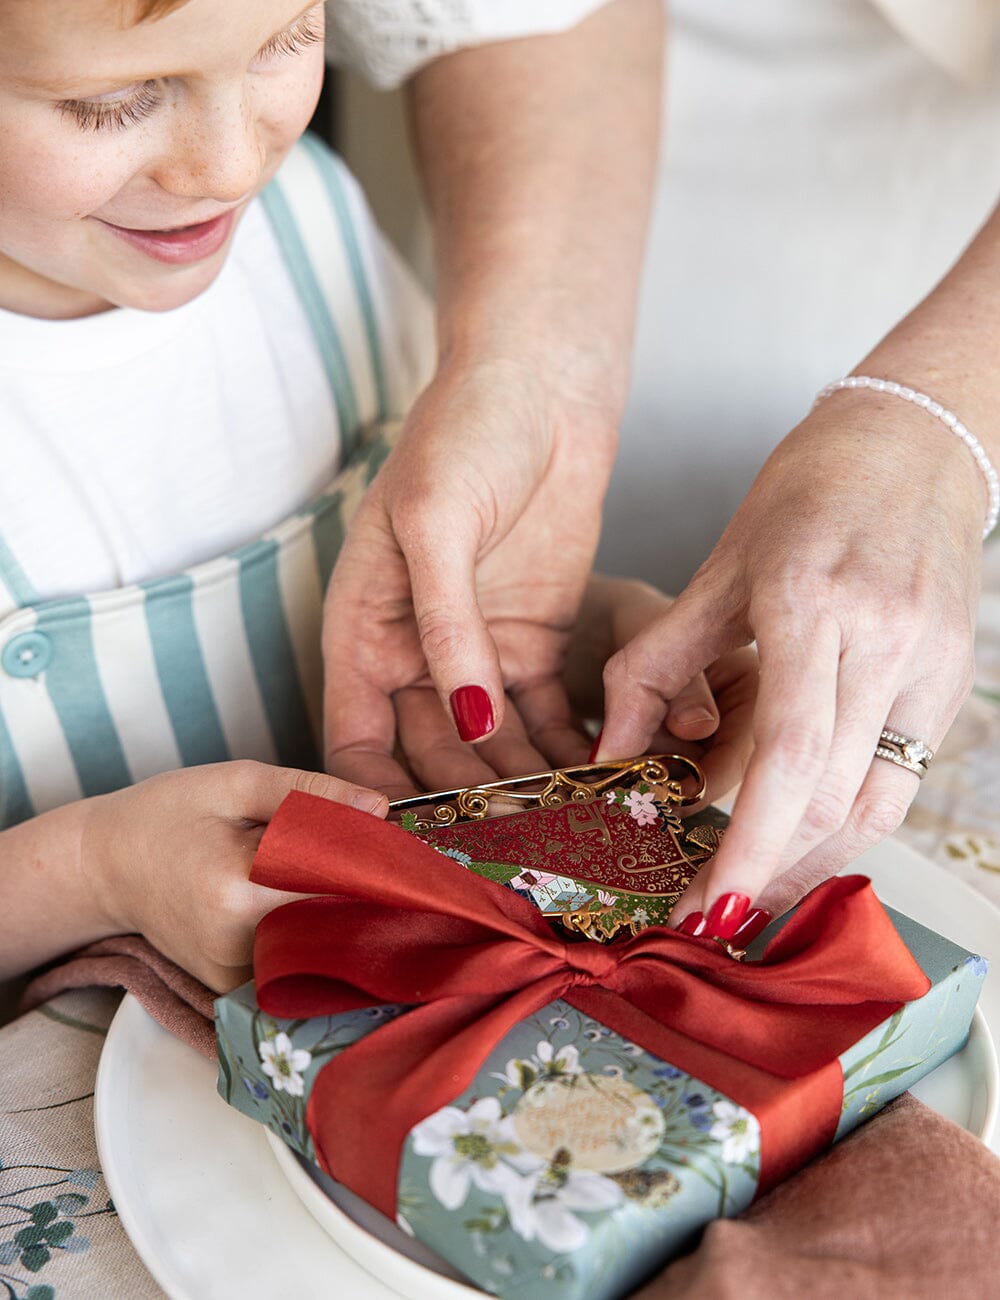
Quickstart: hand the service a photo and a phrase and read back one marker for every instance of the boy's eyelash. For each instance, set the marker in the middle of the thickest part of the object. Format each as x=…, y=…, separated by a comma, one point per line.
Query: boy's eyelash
x=114, y=114
x=99, y=115
x=307, y=31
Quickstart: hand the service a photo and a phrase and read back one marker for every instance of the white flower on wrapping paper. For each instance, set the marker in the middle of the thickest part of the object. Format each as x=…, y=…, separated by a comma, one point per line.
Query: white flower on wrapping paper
x=735, y=1129
x=545, y=1204
x=643, y=807
x=477, y=1146
x=283, y=1064
x=612, y=796
x=546, y=1063
x=608, y=899
x=639, y=917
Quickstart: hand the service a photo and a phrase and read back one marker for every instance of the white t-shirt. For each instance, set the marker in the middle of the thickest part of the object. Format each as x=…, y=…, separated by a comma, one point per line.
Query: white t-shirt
x=135, y=444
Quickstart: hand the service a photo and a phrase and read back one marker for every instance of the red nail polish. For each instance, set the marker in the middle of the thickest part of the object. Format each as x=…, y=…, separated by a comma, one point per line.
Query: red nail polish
x=726, y=915
x=756, y=919
x=472, y=711
x=597, y=745
x=693, y=924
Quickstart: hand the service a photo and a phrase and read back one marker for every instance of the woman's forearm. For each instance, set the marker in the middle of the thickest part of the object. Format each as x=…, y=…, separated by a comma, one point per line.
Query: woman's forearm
x=538, y=157
x=949, y=347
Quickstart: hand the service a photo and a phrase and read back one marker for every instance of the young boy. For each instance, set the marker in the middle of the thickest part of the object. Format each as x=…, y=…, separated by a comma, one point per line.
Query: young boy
x=198, y=324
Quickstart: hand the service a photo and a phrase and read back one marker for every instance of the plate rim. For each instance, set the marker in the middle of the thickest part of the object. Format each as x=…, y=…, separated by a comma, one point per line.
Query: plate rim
x=162, y=1269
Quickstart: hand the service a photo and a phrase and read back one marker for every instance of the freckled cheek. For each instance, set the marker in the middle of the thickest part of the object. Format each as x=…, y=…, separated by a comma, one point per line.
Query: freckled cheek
x=49, y=183
x=289, y=106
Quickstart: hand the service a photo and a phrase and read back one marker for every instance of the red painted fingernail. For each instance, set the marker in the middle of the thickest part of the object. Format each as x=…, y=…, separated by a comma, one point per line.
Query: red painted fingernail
x=597, y=745
x=726, y=915
x=472, y=711
x=693, y=924
x=756, y=919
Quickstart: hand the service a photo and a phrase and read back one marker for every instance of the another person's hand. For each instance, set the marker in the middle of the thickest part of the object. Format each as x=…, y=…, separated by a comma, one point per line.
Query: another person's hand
x=460, y=579
x=709, y=720
x=170, y=858
x=854, y=562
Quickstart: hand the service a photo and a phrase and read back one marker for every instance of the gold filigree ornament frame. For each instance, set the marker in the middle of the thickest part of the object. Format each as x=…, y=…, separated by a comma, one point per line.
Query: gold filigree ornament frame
x=568, y=785
x=664, y=774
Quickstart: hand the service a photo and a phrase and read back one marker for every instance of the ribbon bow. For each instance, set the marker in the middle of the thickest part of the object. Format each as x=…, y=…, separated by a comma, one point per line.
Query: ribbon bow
x=400, y=922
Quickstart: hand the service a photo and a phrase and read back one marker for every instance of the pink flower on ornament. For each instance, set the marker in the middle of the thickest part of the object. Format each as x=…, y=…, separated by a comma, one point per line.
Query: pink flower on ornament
x=642, y=807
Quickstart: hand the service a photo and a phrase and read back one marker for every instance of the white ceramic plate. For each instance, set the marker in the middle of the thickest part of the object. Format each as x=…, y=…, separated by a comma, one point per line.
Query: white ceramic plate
x=217, y=1215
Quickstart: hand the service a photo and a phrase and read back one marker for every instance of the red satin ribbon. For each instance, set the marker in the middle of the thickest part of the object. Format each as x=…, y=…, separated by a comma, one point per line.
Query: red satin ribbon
x=400, y=922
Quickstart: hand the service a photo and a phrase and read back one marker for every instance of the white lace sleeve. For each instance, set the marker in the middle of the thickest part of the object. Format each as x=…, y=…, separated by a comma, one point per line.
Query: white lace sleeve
x=388, y=40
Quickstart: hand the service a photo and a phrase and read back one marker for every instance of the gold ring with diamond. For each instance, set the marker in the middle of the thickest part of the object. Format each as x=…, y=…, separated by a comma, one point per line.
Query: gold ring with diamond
x=904, y=751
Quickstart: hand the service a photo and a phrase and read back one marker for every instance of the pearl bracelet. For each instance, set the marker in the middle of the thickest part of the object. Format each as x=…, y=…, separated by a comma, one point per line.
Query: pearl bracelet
x=948, y=418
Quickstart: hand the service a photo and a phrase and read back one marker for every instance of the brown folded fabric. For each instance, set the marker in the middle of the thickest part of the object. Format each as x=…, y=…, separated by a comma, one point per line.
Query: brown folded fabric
x=175, y=999
x=907, y=1206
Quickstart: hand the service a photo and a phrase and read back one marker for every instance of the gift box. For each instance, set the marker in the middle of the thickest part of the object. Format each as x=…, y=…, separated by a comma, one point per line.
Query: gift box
x=554, y=1116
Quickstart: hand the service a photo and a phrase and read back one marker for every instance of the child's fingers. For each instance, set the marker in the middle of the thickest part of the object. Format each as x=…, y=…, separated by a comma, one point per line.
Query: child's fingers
x=434, y=753
x=360, y=728
x=656, y=667
x=692, y=713
x=258, y=789
x=551, y=726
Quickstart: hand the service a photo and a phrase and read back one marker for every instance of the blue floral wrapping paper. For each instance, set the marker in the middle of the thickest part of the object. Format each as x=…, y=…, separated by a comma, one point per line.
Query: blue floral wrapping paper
x=577, y=1162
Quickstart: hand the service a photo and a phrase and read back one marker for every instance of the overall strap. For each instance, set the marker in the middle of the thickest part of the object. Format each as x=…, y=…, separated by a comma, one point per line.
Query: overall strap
x=321, y=225
x=16, y=591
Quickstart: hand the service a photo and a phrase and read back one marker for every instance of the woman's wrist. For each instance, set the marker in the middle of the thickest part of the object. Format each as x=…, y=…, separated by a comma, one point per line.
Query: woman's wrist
x=923, y=467
x=948, y=423
x=563, y=380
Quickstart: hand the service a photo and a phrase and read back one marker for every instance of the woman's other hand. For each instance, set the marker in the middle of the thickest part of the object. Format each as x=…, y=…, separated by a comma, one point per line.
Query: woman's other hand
x=854, y=563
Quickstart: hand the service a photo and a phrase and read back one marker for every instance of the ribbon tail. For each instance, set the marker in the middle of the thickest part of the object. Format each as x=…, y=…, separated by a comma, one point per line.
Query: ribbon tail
x=411, y=1068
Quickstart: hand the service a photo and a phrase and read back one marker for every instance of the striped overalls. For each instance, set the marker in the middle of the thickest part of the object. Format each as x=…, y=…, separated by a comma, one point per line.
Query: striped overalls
x=222, y=660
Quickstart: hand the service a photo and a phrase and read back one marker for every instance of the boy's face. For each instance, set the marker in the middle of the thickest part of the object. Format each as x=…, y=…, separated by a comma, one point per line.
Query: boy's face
x=129, y=151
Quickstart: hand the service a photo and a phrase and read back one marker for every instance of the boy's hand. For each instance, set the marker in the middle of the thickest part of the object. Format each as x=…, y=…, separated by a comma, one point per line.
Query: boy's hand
x=169, y=859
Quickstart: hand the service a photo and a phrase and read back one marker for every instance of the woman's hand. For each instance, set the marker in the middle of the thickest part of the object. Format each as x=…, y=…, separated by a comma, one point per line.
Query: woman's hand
x=854, y=562
x=170, y=858
x=460, y=578
x=464, y=567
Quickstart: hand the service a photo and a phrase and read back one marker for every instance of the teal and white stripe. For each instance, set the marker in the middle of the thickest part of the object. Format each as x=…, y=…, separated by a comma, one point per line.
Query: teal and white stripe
x=221, y=661
x=15, y=589
x=332, y=277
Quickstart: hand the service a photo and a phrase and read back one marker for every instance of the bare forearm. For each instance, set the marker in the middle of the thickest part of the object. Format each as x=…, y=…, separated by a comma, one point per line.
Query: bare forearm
x=538, y=158
x=949, y=347
x=47, y=903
